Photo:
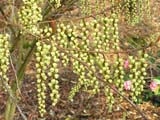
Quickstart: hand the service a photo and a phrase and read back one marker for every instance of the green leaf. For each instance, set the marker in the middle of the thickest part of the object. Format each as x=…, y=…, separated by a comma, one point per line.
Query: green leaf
x=152, y=59
x=26, y=45
x=157, y=80
x=156, y=91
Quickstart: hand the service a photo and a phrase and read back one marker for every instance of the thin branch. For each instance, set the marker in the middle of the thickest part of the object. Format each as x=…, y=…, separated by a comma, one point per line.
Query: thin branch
x=15, y=74
x=11, y=28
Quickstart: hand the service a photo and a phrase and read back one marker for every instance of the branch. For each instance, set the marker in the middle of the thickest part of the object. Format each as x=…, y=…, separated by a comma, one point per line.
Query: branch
x=11, y=28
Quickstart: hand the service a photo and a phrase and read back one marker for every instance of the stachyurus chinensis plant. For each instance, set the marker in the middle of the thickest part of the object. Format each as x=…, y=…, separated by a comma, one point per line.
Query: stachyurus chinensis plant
x=93, y=48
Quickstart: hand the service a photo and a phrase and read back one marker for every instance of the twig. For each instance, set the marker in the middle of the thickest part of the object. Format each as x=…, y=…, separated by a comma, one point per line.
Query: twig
x=11, y=28
x=15, y=74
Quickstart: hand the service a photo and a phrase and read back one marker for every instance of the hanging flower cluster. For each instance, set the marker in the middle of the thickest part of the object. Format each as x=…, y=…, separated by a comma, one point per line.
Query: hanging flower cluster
x=42, y=62
x=109, y=97
x=98, y=35
x=105, y=33
x=86, y=78
x=105, y=70
x=29, y=16
x=96, y=6
x=102, y=34
x=63, y=40
x=47, y=57
x=88, y=58
x=137, y=74
x=114, y=32
x=131, y=11
x=137, y=10
x=119, y=74
x=116, y=7
x=85, y=7
x=147, y=7
x=4, y=59
x=78, y=43
x=78, y=68
x=53, y=73
x=106, y=38
x=57, y=3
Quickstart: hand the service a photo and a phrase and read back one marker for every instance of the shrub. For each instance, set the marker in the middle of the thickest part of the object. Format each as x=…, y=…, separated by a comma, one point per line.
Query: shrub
x=92, y=46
